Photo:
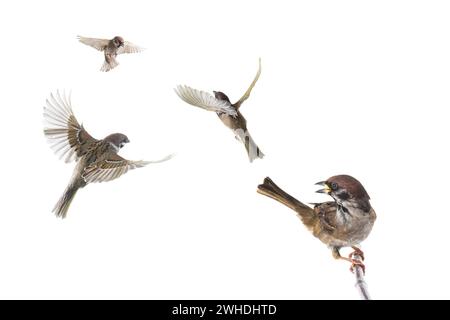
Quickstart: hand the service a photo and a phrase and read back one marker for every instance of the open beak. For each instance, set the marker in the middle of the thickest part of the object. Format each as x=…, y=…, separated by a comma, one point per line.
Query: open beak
x=326, y=190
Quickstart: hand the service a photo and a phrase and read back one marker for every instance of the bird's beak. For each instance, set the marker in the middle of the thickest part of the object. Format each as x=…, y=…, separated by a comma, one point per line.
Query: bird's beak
x=326, y=190
x=127, y=141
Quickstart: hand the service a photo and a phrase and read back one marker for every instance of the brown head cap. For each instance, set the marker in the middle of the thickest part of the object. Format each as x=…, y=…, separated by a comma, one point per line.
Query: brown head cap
x=118, y=41
x=349, y=185
x=117, y=139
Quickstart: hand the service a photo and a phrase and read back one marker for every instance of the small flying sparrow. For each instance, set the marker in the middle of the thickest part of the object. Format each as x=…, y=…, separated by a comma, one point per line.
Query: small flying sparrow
x=111, y=49
x=229, y=113
x=97, y=160
x=344, y=222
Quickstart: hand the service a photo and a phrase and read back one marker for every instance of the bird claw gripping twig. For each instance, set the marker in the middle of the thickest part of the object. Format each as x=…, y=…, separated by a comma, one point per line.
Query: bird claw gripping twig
x=356, y=252
x=357, y=263
x=356, y=259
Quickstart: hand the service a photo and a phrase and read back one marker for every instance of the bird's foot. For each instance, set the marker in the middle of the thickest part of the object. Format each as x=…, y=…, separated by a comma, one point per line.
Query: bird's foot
x=356, y=252
x=359, y=263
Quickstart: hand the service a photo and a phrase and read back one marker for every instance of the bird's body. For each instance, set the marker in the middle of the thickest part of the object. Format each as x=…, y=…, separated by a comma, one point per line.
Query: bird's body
x=110, y=57
x=110, y=48
x=337, y=228
x=228, y=112
x=345, y=222
x=233, y=122
x=97, y=160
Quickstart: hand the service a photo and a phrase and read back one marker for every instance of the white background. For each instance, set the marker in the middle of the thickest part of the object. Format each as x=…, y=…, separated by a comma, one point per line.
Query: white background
x=355, y=87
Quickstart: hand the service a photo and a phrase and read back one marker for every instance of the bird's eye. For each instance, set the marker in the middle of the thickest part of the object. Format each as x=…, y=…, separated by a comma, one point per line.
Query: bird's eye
x=334, y=186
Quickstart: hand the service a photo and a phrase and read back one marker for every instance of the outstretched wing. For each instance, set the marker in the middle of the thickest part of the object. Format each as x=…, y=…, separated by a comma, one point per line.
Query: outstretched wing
x=113, y=167
x=249, y=90
x=129, y=47
x=99, y=44
x=66, y=136
x=204, y=100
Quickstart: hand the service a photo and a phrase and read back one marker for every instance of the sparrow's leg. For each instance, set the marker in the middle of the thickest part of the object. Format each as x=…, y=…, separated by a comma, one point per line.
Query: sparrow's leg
x=357, y=252
x=354, y=262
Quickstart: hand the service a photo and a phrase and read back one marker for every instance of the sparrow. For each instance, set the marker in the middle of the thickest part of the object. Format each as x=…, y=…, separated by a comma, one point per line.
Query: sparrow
x=344, y=222
x=96, y=160
x=228, y=112
x=111, y=49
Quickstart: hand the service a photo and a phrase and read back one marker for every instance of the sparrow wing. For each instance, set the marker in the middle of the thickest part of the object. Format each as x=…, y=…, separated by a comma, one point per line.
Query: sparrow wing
x=66, y=136
x=129, y=47
x=113, y=167
x=249, y=90
x=204, y=100
x=327, y=215
x=99, y=44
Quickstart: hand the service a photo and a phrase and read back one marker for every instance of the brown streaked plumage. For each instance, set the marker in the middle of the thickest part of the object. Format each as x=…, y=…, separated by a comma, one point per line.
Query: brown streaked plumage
x=97, y=160
x=110, y=48
x=228, y=112
x=344, y=222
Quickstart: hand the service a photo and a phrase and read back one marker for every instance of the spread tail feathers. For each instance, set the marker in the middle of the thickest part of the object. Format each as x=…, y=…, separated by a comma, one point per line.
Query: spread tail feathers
x=271, y=190
x=253, y=150
x=64, y=202
x=108, y=65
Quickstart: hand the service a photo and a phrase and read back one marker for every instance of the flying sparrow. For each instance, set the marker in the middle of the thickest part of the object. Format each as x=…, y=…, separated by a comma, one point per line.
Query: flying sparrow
x=111, y=49
x=344, y=222
x=97, y=160
x=228, y=112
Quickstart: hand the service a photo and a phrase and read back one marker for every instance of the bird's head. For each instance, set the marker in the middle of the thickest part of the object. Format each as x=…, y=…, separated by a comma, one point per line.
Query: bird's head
x=118, y=140
x=344, y=188
x=221, y=96
x=118, y=41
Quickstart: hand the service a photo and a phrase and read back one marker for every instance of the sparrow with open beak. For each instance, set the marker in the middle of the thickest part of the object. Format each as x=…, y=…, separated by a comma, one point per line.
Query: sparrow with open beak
x=110, y=48
x=344, y=222
x=97, y=160
x=228, y=112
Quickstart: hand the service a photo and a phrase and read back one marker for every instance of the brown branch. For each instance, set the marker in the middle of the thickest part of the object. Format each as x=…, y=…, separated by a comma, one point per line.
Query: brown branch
x=360, y=284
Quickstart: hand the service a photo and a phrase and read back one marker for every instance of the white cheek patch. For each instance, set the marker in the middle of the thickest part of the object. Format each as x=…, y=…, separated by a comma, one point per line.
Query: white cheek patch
x=115, y=147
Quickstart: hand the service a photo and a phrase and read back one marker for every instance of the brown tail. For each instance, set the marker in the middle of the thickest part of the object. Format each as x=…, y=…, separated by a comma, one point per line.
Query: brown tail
x=64, y=202
x=306, y=214
x=253, y=150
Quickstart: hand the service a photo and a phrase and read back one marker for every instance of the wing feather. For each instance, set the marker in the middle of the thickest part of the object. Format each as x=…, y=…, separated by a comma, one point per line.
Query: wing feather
x=129, y=47
x=67, y=138
x=249, y=90
x=204, y=100
x=114, y=167
x=99, y=44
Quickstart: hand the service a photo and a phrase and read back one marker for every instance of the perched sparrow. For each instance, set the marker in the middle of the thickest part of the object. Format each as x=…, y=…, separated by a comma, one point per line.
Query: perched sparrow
x=344, y=222
x=111, y=48
x=97, y=160
x=229, y=113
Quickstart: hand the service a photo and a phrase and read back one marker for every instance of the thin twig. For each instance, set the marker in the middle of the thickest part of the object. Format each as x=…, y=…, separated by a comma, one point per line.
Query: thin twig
x=360, y=284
